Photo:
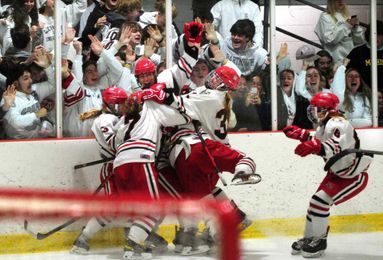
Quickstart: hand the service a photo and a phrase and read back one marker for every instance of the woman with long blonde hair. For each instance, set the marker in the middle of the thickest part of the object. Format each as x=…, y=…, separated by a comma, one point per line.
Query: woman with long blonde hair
x=337, y=31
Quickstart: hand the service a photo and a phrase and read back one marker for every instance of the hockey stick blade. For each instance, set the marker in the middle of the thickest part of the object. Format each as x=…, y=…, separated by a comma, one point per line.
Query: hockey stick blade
x=28, y=230
x=41, y=236
x=343, y=153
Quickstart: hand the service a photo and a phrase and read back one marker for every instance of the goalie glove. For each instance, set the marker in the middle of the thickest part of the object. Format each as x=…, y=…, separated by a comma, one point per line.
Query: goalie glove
x=313, y=146
x=295, y=132
x=242, y=178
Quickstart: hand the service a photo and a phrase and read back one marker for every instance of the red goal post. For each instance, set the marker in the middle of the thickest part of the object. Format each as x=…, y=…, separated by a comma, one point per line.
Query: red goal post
x=47, y=204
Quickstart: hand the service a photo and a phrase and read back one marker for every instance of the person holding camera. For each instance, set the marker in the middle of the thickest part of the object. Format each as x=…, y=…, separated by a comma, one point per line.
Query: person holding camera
x=246, y=108
x=337, y=31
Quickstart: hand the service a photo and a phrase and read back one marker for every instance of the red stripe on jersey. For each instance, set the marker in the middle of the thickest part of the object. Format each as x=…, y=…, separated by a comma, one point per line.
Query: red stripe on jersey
x=73, y=99
x=181, y=133
x=67, y=81
x=126, y=145
x=185, y=66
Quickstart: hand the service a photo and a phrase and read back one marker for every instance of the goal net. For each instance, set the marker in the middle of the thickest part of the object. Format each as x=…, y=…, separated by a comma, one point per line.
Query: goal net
x=39, y=221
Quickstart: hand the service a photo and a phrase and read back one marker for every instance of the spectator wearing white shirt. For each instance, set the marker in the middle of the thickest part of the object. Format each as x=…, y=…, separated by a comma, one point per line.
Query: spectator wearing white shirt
x=337, y=31
x=240, y=49
x=25, y=117
x=357, y=100
x=227, y=12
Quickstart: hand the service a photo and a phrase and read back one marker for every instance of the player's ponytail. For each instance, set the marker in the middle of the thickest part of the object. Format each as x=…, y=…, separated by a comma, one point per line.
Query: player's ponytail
x=227, y=107
x=93, y=113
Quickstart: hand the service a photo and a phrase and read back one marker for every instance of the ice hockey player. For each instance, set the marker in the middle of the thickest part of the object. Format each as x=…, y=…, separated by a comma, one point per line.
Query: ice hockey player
x=345, y=179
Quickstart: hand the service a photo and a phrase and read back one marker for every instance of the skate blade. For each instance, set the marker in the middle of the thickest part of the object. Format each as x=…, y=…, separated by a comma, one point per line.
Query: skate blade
x=295, y=252
x=188, y=250
x=78, y=251
x=132, y=255
x=245, y=182
x=312, y=255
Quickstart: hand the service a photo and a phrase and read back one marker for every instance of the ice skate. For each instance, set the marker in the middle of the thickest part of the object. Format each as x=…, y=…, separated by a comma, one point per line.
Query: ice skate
x=296, y=247
x=315, y=248
x=156, y=244
x=187, y=243
x=80, y=245
x=132, y=250
x=207, y=240
x=180, y=233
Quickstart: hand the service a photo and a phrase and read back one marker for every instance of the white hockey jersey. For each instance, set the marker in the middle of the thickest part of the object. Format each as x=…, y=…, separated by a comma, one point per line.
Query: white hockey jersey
x=104, y=129
x=337, y=135
x=138, y=140
x=208, y=107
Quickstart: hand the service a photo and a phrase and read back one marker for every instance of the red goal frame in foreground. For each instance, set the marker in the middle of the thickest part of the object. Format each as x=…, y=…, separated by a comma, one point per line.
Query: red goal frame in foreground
x=38, y=204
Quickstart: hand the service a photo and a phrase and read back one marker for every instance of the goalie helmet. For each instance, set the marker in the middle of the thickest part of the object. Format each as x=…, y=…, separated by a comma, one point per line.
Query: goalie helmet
x=113, y=97
x=323, y=102
x=223, y=78
x=144, y=65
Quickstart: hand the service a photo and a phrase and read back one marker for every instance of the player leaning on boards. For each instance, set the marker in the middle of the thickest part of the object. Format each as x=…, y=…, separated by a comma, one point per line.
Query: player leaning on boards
x=344, y=180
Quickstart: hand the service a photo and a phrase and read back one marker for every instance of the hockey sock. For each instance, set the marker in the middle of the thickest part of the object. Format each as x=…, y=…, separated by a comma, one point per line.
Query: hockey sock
x=141, y=228
x=93, y=226
x=319, y=212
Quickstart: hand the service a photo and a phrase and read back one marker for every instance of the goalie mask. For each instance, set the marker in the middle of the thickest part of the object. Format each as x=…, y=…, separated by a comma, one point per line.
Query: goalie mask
x=321, y=105
x=223, y=78
x=113, y=98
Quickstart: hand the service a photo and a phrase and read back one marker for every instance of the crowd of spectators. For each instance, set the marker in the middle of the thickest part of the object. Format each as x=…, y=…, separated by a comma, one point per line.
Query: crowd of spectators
x=103, y=40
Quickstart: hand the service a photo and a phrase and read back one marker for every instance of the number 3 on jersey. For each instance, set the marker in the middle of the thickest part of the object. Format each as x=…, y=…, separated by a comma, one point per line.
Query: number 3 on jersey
x=221, y=133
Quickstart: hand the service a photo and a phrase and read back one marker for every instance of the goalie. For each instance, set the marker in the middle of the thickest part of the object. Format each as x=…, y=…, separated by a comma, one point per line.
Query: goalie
x=344, y=180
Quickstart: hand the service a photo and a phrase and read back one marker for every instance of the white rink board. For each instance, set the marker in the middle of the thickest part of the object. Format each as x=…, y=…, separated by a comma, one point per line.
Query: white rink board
x=288, y=180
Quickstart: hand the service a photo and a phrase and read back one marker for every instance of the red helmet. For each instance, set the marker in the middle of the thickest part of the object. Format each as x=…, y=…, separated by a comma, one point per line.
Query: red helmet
x=144, y=65
x=325, y=100
x=223, y=78
x=114, y=95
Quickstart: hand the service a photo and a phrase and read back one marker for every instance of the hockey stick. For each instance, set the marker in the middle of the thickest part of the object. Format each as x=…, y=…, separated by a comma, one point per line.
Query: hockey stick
x=199, y=134
x=40, y=236
x=358, y=152
x=78, y=166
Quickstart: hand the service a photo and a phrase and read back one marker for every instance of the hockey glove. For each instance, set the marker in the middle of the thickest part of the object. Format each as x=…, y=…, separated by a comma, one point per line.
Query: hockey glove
x=313, y=146
x=155, y=92
x=185, y=89
x=241, y=178
x=193, y=32
x=294, y=132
